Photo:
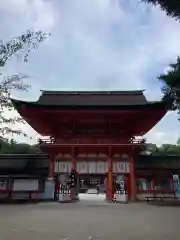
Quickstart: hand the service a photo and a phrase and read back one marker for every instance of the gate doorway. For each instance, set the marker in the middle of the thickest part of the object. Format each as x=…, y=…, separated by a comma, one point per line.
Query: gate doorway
x=92, y=187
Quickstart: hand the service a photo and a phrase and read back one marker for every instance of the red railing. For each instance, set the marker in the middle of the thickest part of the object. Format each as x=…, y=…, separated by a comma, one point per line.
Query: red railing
x=80, y=141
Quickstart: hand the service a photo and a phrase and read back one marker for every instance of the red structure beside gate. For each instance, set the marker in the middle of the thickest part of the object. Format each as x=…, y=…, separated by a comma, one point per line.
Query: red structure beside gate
x=93, y=128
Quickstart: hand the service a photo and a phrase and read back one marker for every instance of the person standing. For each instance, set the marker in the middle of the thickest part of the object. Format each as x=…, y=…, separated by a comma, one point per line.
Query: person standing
x=98, y=189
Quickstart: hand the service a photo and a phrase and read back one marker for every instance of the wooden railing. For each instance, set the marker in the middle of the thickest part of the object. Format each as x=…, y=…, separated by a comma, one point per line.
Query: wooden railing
x=97, y=142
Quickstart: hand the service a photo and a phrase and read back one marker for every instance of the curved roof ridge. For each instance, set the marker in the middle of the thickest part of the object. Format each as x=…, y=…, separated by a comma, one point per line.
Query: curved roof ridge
x=128, y=92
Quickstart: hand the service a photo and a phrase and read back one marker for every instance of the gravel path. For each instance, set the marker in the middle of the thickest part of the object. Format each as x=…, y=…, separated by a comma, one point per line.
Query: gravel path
x=89, y=220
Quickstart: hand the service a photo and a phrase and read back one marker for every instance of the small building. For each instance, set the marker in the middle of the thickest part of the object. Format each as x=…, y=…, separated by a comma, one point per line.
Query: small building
x=95, y=134
x=23, y=176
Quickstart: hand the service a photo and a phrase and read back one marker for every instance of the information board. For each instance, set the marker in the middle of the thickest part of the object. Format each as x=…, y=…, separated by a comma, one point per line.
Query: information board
x=26, y=185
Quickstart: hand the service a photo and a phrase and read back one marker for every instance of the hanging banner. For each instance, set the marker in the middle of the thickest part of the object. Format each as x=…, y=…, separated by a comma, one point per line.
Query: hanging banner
x=82, y=167
x=101, y=167
x=114, y=168
x=64, y=167
x=121, y=167
x=106, y=166
x=92, y=167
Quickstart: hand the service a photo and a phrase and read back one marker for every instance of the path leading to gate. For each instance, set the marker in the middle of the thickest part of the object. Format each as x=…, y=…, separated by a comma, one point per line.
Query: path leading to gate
x=92, y=196
x=89, y=220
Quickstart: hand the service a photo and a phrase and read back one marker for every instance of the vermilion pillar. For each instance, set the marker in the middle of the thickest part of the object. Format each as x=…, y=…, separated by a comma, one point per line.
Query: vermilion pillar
x=51, y=169
x=110, y=178
x=132, y=180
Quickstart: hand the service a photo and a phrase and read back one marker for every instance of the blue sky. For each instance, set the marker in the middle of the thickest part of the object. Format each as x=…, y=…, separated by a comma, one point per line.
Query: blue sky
x=95, y=45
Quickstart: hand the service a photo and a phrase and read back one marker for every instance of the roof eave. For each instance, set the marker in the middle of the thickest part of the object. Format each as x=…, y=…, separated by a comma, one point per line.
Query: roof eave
x=161, y=104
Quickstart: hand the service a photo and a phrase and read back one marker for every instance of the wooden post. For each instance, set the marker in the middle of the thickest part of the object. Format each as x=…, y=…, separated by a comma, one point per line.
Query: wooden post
x=110, y=177
x=132, y=180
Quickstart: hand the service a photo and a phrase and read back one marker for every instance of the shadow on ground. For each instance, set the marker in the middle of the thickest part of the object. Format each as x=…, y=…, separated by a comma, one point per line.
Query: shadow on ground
x=166, y=203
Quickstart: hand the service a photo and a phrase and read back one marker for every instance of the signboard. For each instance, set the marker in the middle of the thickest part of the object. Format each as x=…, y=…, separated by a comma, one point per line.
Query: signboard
x=26, y=185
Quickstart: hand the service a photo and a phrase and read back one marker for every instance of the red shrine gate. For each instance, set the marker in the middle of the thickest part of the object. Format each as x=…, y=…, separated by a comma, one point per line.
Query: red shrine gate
x=91, y=132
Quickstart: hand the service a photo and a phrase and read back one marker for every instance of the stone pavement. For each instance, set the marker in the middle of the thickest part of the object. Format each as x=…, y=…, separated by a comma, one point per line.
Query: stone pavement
x=87, y=220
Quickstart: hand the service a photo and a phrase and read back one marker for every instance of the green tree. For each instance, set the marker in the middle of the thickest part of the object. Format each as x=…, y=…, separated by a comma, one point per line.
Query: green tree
x=152, y=148
x=163, y=149
x=12, y=147
x=19, y=46
x=171, y=7
x=178, y=142
x=170, y=80
x=171, y=85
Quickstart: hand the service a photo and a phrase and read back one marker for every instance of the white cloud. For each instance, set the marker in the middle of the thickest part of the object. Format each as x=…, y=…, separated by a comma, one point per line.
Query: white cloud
x=21, y=15
x=104, y=44
x=166, y=131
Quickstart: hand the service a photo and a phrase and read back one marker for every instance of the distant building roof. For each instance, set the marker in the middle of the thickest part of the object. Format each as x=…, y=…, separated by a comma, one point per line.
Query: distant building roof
x=158, y=161
x=24, y=156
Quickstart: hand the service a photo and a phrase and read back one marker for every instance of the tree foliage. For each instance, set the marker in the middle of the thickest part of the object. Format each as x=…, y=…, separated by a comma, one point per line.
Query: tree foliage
x=171, y=7
x=170, y=80
x=164, y=149
x=171, y=85
x=19, y=46
x=12, y=147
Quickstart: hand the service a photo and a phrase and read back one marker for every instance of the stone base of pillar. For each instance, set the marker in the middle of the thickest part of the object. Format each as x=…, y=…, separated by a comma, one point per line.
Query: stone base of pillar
x=64, y=198
x=110, y=197
x=121, y=198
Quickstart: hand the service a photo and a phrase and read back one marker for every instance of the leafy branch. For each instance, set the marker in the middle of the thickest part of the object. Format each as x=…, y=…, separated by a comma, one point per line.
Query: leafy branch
x=171, y=7
x=19, y=46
